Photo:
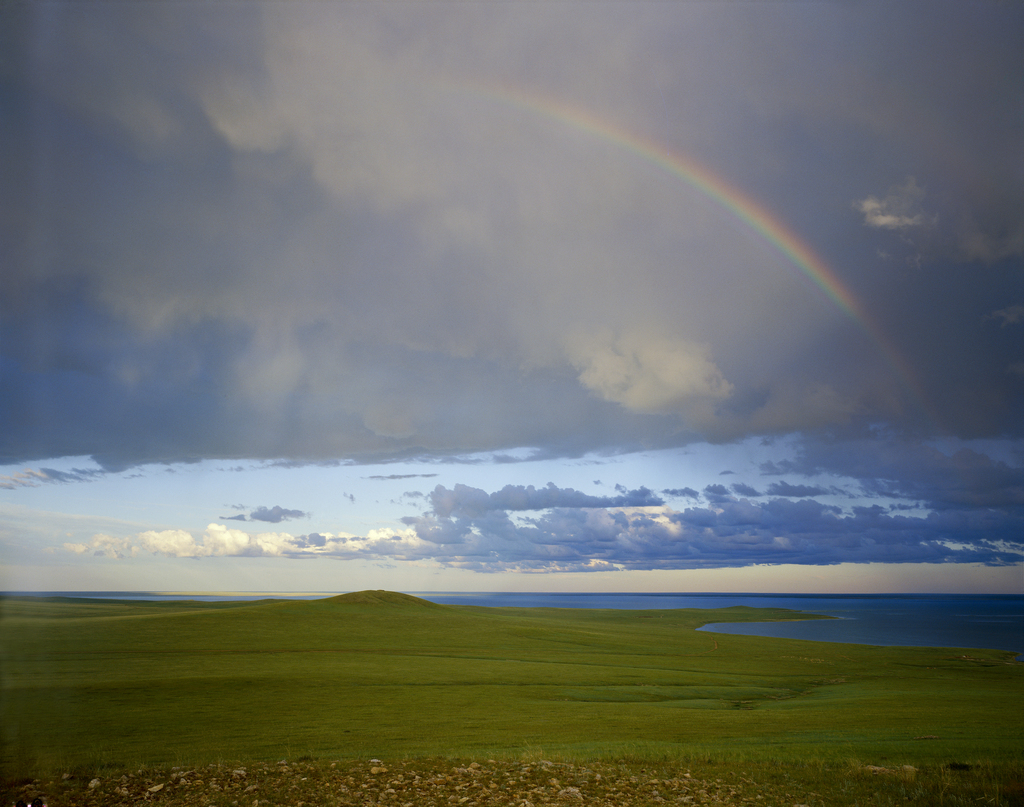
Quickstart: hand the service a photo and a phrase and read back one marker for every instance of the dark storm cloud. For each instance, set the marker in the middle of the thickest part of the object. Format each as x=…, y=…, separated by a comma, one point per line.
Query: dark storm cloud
x=312, y=233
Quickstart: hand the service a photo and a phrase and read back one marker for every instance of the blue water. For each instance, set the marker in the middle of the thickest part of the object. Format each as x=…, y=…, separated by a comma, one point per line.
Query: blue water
x=919, y=620
x=908, y=620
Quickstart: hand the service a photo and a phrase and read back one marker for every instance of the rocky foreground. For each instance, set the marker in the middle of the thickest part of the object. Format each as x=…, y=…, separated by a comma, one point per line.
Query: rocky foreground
x=416, y=783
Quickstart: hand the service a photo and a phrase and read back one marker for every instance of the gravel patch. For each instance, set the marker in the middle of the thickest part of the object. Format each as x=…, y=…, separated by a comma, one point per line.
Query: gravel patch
x=407, y=783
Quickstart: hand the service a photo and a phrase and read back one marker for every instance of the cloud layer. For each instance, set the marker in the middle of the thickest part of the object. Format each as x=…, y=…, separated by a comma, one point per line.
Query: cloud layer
x=310, y=231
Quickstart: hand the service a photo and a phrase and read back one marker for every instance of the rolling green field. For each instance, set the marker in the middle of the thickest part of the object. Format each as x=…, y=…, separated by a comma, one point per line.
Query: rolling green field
x=105, y=685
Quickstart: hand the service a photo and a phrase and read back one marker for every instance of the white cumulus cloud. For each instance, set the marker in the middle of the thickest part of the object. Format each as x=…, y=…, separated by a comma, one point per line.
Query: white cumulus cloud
x=651, y=374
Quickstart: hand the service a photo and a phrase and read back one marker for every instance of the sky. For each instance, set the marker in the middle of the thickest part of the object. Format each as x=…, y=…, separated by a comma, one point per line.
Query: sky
x=512, y=296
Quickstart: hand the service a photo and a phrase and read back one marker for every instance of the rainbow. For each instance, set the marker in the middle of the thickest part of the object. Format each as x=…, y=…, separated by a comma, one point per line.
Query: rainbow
x=729, y=197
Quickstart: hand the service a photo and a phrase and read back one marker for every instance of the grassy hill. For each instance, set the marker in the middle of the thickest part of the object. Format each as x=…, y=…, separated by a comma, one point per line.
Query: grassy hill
x=380, y=674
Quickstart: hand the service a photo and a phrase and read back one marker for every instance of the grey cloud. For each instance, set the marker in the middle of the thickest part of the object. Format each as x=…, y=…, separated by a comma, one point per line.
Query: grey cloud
x=74, y=475
x=31, y=477
x=313, y=539
x=980, y=520
x=403, y=476
x=783, y=488
x=463, y=500
x=239, y=517
x=716, y=493
x=899, y=210
x=743, y=489
x=1011, y=315
x=362, y=232
x=305, y=463
x=688, y=493
x=911, y=470
x=736, y=534
x=276, y=514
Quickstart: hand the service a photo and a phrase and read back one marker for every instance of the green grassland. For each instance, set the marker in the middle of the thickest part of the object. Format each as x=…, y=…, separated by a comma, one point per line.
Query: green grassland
x=118, y=685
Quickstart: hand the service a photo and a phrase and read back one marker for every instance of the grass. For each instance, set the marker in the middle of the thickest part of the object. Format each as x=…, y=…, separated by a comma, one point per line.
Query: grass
x=93, y=686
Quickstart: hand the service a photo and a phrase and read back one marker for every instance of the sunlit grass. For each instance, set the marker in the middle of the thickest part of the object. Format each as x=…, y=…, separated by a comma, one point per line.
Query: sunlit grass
x=110, y=684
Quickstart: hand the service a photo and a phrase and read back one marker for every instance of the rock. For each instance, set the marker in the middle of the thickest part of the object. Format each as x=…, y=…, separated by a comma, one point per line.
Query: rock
x=570, y=793
x=95, y=783
x=156, y=788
